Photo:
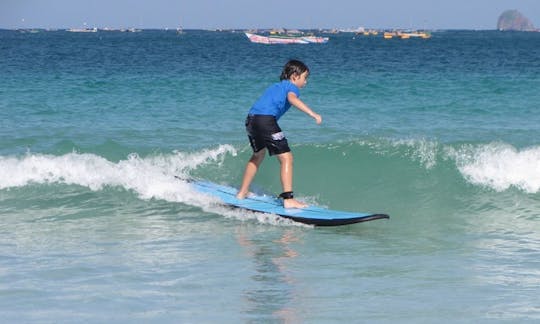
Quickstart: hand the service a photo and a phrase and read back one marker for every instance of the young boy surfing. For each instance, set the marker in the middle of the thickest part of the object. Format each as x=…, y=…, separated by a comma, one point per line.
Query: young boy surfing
x=264, y=132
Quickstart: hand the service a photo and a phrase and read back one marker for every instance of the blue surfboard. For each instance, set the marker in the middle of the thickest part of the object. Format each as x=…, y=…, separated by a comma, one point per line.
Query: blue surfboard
x=312, y=215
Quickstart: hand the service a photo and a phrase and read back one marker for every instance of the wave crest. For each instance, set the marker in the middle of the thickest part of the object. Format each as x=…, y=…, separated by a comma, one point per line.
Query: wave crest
x=497, y=165
x=500, y=166
x=148, y=176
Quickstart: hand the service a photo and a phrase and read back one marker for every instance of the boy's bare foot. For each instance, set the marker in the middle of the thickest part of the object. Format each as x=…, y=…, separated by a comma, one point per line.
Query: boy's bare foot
x=241, y=195
x=293, y=203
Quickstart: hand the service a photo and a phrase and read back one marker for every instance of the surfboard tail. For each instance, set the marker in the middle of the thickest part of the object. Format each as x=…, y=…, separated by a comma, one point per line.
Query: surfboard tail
x=336, y=222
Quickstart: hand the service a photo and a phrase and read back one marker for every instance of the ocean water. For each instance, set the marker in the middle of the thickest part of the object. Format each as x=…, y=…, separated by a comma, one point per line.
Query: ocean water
x=441, y=134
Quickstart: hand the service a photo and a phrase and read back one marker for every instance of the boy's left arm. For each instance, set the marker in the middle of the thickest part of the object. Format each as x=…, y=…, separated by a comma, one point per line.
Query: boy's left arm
x=295, y=101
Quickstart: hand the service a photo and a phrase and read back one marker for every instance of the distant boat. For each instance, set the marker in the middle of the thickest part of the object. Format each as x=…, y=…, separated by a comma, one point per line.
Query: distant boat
x=131, y=30
x=31, y=31
x=406, y=35
x=285, y=39
x=388, y=35
x=419, y=34
x=83, y=30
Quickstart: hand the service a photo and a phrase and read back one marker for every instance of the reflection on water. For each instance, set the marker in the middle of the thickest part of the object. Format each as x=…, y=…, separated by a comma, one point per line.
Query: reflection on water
x=272, y=289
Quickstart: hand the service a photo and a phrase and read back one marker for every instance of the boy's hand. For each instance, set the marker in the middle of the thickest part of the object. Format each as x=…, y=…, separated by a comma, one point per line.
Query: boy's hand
x=318, y=118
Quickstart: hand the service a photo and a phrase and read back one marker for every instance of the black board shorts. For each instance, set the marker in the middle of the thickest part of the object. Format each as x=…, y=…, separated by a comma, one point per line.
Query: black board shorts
x=264, y=132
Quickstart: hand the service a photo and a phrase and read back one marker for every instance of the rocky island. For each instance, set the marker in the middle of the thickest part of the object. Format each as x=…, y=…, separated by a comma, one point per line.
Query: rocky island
x=514, y=20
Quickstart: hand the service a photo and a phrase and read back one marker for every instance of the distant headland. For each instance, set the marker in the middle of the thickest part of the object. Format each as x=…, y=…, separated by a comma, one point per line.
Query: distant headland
x=515, y=21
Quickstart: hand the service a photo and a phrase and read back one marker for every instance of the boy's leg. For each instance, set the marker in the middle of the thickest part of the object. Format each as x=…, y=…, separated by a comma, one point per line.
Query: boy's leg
x=251, y=169
x=286, y=161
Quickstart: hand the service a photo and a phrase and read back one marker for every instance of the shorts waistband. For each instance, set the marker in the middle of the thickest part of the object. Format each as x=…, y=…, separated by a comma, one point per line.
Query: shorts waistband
x=262, y=116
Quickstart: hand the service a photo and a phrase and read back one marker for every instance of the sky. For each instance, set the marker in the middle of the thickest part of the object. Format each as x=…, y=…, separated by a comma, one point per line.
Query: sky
x=247, y=14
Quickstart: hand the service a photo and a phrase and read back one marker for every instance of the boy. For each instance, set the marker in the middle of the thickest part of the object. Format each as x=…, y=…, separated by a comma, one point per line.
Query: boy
x=264, y=132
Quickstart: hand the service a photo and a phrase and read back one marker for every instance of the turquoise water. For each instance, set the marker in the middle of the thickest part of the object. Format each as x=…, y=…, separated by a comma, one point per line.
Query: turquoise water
x=442, y=134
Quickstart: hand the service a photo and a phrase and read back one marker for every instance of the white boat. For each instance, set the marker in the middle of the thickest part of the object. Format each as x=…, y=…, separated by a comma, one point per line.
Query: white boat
x=315, y=39
x=83, y=30
x=285, y=39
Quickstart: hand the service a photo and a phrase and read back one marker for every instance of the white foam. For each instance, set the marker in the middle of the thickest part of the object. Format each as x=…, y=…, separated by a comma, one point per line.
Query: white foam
x=500, y=166
x=422, y=150
x=152, y=177
x=245, y=215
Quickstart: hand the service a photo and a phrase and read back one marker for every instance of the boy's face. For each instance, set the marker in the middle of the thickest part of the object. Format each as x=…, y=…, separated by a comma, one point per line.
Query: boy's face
x=300, y=80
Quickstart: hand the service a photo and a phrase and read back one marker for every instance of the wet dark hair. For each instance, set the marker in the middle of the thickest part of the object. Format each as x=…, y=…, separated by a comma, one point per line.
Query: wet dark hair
x=292, y=67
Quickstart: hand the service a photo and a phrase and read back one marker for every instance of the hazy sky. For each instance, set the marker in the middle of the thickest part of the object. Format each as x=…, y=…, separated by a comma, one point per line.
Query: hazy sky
x=211, y=14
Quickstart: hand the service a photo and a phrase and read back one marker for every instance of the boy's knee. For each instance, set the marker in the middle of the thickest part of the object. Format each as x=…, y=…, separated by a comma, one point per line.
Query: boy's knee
x=257, y=157
x=286, y=157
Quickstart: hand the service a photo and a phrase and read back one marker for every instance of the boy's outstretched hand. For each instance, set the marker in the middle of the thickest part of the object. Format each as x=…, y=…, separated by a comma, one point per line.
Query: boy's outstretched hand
x=317, y=118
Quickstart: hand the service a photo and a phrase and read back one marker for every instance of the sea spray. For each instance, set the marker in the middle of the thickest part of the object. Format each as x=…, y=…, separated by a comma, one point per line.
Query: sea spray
x=499, y=166
x=150, y=177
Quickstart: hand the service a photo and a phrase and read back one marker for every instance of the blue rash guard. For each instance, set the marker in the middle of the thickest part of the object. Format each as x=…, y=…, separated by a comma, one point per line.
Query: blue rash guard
x=274, y=101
